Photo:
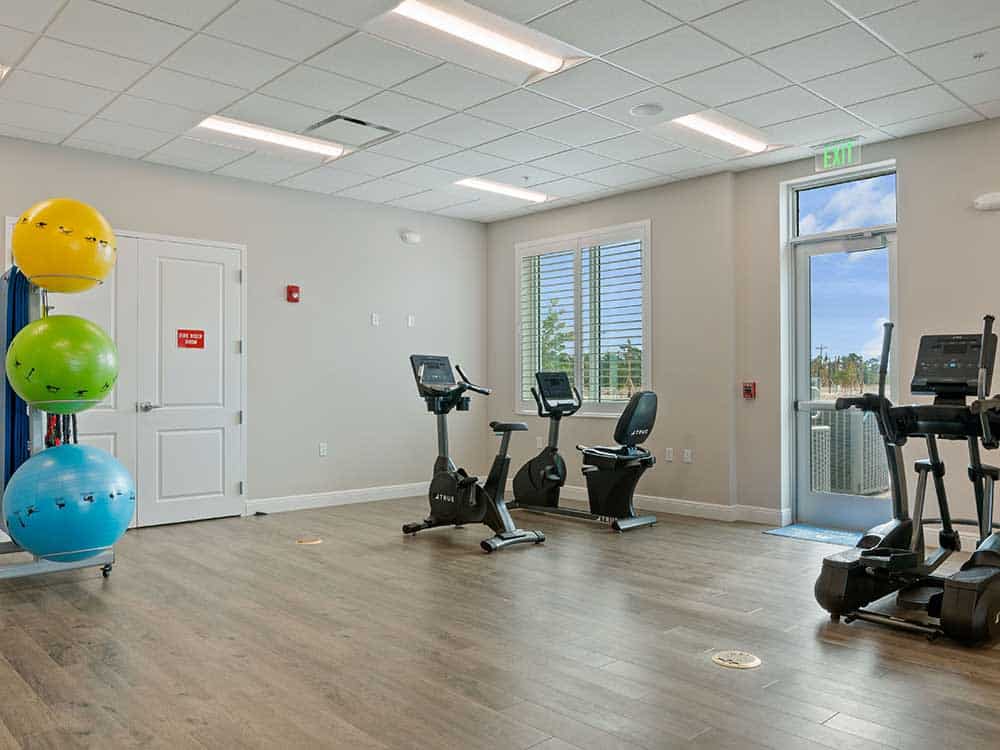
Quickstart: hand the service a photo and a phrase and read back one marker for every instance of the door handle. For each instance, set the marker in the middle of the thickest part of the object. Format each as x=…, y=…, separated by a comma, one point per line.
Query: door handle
x=146, y=406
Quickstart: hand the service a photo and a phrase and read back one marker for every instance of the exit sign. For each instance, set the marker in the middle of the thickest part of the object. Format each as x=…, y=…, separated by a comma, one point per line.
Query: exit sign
x=839, y=154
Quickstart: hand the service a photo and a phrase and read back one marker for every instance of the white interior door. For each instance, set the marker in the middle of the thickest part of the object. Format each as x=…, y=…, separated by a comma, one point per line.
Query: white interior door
x=190, y=382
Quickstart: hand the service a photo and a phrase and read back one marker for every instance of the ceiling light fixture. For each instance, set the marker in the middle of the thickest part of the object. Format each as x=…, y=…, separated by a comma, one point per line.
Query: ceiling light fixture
x=650, y=109
x=4, y=70
x=471, y=32
x=721, y=133
x=502, y=189
x=268, y=135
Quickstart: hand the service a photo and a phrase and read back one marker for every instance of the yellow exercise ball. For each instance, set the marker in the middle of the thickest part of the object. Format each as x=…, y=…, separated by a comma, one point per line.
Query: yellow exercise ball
x=64, y=245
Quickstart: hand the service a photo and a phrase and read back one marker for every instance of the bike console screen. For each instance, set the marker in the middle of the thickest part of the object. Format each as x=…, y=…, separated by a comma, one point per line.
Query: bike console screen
x=554, y=386
x=948, y=365
x=432, y=373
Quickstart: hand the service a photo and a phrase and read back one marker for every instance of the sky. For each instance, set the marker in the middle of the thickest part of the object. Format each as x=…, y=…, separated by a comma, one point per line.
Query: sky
x=849, y=291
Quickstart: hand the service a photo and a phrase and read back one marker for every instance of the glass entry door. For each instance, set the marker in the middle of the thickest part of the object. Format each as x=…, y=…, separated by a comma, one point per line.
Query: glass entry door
x=843, y=293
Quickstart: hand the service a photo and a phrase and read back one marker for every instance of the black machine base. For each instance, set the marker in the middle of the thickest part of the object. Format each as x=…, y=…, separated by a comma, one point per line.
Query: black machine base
x=625, y=523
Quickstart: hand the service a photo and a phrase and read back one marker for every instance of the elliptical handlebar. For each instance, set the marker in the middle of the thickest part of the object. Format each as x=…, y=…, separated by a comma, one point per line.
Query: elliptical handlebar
x=990, y=441
x=883, y=372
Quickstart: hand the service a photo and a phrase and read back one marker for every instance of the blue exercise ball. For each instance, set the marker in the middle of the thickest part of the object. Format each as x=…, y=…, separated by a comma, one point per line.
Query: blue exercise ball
x=68, y=503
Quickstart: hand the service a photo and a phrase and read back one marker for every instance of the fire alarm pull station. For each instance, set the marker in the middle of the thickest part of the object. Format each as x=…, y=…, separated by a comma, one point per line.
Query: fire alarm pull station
x=293, y=293
x=750, y=390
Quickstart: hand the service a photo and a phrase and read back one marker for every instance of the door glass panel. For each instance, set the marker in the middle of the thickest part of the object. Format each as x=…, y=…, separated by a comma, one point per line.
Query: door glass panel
x=849, y=302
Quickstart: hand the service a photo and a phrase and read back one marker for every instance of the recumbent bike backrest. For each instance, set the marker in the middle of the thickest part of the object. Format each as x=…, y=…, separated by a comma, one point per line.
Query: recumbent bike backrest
x=636, y=422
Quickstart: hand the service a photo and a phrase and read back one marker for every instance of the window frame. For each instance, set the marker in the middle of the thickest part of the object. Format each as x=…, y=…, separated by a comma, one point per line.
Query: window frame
x=577, y=242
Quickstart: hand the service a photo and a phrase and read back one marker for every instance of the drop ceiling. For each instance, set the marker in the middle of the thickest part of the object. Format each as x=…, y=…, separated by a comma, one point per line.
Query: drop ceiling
x=134, y=77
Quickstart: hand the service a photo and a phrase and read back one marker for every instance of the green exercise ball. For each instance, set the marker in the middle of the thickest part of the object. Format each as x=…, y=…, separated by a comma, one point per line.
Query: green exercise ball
x=62, y=364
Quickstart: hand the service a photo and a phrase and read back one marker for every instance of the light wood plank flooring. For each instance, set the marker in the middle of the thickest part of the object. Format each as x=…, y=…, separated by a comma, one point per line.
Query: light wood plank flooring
x=226, y=634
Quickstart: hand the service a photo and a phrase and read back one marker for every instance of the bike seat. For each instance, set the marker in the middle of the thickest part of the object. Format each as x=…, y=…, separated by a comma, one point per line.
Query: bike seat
x=508, y=426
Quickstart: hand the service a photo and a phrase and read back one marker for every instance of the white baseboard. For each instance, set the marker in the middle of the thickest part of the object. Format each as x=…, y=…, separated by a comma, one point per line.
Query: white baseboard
x=337, y=497
x=697, y=509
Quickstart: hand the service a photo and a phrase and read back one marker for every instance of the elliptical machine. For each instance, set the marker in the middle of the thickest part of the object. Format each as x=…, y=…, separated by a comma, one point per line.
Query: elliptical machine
x=455, y=497
x=891, y=557
x=611, y=473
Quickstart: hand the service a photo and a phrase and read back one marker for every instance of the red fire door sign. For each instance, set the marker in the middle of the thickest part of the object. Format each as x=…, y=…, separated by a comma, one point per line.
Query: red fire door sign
x=190, y=338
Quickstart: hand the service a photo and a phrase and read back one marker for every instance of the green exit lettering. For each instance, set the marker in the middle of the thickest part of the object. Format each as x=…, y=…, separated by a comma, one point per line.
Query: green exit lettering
x=838, y=155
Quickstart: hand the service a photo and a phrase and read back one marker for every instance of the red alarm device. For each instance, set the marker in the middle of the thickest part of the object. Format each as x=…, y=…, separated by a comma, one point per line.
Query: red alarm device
x=293, y=293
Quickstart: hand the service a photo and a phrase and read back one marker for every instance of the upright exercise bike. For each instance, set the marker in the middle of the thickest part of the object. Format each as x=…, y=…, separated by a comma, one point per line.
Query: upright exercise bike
x=611, y=473
x=890, y=558
x=456, y=498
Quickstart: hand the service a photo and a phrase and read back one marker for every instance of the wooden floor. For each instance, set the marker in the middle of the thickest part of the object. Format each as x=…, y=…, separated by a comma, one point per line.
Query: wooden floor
x=227, y=634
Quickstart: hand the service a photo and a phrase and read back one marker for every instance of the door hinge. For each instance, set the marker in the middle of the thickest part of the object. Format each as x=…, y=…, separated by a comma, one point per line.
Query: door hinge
x=239, y=417
x=241, y=486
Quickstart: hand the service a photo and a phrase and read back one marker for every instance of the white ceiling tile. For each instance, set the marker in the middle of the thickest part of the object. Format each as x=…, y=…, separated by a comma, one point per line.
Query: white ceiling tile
x=319, y=88
x=581, y=129
x=415, y=148
x=377, y=165
x=277, y=28
x=956, y=58
x=679, y=160
x=869, y=81
x=814, y=129
x=574, y=162
x=518, y=10
x=32, y=116
x=927, y=22
x=590, y=84
x=630, y=147
x=454, y=87
x=380, y=191
x=767, y=158
x=91, y=24
x=29, y=15
x=589, y=25
x=777, y=106
x=862, y=8
x=755, y=25
x=191, y=153
x=523, y=175
x=822, y=54
x=192, y=14
x=678, y=52
x=978, y=88
x=569, y=187
x=24, y=86
x=471, y=211
x=929, y=100
x=145, y=113
x=464, y=130
x=673, y=105
x=82, y=65
x=116, y=133
x=396, y=111
x=688, y=10
x=521, y=109
x=471, y=163
x=426, y=176
x=266, y=167
x=351, y=12
x=727, y=83
x=373, y=60
x=225, y=62
x=275, y=113
x=990, y=109
x=432, y=200
x=30, y=133
x=935, y=121
x=619, y=174
x=348, y=132
x=326, y=179
x=115, y=149
x=13, y=43
x=182, y=90
x=522, y=147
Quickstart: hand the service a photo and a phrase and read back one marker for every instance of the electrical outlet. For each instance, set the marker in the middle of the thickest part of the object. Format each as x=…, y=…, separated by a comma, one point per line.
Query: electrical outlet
x=688, y=456
x=324, y=450
x=376, y=320
x=539, y=442
x=669, y=456
x=411, y=320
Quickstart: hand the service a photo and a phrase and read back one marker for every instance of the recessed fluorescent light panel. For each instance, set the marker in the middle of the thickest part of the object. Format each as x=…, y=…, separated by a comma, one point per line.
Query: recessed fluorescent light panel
x=471, y=32
x=502, y=189
x=721, y=133
x=276, y=137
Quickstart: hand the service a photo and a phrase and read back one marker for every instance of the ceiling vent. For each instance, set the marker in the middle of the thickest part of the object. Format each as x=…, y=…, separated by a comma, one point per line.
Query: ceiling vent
x=350, y=131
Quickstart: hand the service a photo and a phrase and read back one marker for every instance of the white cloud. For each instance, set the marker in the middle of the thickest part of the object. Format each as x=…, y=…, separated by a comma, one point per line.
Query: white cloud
x=855, y=204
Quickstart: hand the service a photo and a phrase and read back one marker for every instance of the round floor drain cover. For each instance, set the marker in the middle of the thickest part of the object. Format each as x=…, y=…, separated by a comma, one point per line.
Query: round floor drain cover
x=736, y=660
x=309, y=540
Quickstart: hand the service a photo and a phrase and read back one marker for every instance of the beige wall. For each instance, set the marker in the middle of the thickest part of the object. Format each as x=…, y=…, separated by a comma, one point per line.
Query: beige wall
x=716, y=304
x=317, y=370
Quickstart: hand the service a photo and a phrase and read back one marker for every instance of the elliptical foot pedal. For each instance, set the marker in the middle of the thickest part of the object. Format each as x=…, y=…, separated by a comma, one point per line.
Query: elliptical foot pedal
x=887, y=558
x=923, y=596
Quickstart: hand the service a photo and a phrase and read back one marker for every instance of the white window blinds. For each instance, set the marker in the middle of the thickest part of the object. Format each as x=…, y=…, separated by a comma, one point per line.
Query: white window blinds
x=582, y=308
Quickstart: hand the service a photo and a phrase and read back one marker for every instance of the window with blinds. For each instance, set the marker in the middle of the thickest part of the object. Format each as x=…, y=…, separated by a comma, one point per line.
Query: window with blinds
x=582, y=310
